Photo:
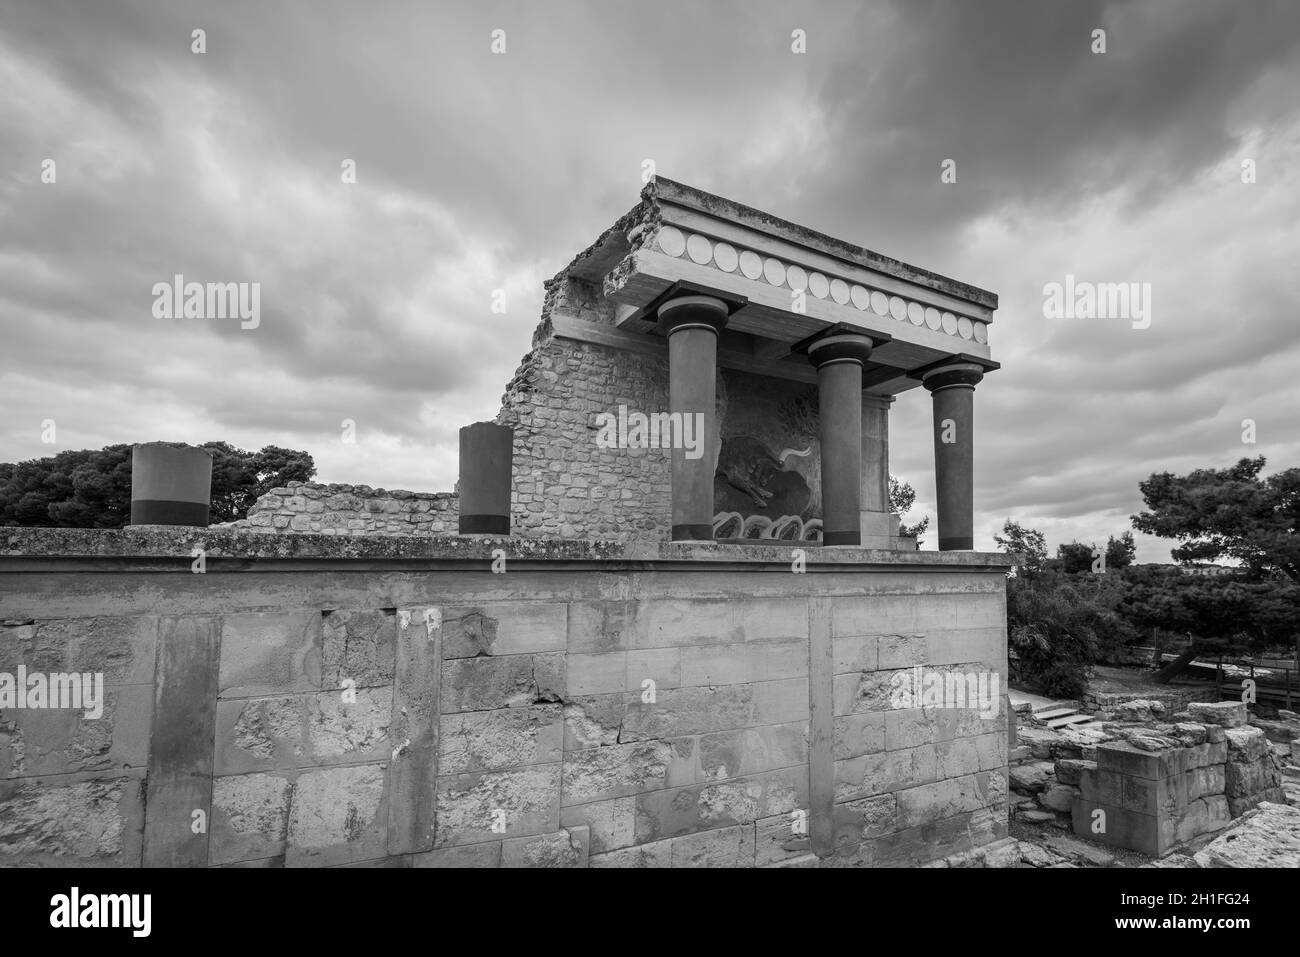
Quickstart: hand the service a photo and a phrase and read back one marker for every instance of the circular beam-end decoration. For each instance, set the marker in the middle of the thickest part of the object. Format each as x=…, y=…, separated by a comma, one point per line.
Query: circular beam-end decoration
x=774, y=271
x=671, y=240
x=861, y=297
x=932, y=318
x=840, y=291
x=840, y=348
x=699, y=249
x=916, y=313
x=981, y=332
x=879, y=303
x=964, y=328
x=724, y=254
x=959, y=374
x=796, y=277
x=750, y=264
x=818, y=285
x=693, y=312
x=897, y=308
x=949, y=323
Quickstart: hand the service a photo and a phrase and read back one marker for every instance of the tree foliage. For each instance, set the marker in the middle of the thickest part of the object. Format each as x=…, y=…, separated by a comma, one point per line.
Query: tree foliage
x=91, y=488
x=901, y=498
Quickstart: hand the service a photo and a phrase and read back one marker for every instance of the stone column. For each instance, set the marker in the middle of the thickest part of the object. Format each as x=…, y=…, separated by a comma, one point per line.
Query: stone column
x=170, y=484
x=953, y=389
x=876, y=518
x=486, y=464
x=839, y=360
x=692, y=324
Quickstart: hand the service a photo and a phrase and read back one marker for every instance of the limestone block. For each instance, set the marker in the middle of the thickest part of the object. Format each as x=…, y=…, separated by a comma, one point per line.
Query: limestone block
x=513, y=681
x=754, y=661
x=675, y=811
x=1031, y=778
x=721, y=847
x=596, y=674
x=501, y=739
x=884, y=771
x=1225, y=714
x=611, y=824
x=60, y=740
x=338, y=815
x=1268, y=836
x=654, y=854
x=567, y=847
x=269, y=653
x=523, y=801
x=865, y=819
x=57, y=821
x=857, y=734
x=727, y=754
x=250, y=818
x=121, y=649
x=1246, y=743
x=503, y=628
x=470, y=855
x=624, y=769
x=359, y=645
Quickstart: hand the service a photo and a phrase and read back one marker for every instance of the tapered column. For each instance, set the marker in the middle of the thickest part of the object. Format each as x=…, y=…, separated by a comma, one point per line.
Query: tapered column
x=876, y=518
x=692, y=324
x=170, y=484
x=839, y=360
x=953, y=390
x=486, y=473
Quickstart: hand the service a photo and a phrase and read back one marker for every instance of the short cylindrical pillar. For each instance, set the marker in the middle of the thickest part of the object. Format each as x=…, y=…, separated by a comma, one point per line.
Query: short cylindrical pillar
x=692, y=324
x=170, y=484
x=839, y=360
x=953, y=390
x=486, y=463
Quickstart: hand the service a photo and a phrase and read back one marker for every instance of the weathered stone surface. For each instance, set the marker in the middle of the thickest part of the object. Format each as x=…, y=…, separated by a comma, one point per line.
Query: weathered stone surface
x=624, y=769
x=1246, y=743
x=567, y=847
x=270, y=653
x=469, y=855
x=1268, y=836
x=1036, y=855
x=1225, y=714
x=781, y=838
x=1031, y=778
x=60, y=740
x=672, y=812
x=722, y=847
x=121, y=649
x=1073, y=849
x=250, y=818
x=302, y=730
x=338, y=815
x=92, y=822
x=1070, y=770
x=359, y=645
x=611, y=824
x=865, y=819
x=654, y=854
x=858, y=734
x=505, y=738
x=498, y=804
x=503, y=628
x=1059, y=798
x=513, y=681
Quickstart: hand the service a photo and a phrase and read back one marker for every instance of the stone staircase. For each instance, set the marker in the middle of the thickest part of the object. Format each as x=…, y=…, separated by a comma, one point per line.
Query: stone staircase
x=1061, y=715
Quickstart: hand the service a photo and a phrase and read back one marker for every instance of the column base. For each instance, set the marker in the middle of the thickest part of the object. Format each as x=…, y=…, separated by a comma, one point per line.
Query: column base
x=853, y=537
x=692, y=533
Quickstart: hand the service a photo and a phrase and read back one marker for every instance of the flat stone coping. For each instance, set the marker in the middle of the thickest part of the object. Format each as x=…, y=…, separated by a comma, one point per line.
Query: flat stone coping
x=161, y=541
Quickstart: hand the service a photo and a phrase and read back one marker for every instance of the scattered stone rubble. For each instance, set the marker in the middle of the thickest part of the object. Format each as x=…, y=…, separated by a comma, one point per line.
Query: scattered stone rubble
x=1171, y=786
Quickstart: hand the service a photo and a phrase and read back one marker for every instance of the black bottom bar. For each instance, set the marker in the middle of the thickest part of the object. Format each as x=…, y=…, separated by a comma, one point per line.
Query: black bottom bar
x=485, y=524
x=956, y=544
x=841, y=538
x=692, y=533
x=158, y=511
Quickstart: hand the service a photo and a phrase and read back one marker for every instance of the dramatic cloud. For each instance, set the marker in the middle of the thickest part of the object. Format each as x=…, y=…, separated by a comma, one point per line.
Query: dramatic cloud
x=478, y=173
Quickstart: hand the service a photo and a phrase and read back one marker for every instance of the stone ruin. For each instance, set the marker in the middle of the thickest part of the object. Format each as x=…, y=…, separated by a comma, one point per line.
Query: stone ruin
x=606, y=650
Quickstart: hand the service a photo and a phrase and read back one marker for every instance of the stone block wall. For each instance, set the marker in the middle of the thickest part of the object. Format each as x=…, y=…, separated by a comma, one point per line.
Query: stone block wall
x=351, y=510
x=1165, y=785
x=313, y=701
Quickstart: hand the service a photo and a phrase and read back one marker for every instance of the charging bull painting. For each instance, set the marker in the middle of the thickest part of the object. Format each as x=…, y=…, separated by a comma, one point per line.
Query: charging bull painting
x=757, y=496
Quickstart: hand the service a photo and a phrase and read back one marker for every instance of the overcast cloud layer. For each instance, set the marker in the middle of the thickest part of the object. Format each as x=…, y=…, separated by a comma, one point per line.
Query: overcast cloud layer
x=478, y=172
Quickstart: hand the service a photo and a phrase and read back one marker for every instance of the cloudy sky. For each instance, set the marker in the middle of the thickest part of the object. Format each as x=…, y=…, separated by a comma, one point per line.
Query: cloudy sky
x=477, y=172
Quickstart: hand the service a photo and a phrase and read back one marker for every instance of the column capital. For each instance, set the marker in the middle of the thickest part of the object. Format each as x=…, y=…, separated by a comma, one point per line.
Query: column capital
x=875, y=400
x=840, y=343
x=693, y=312
x=958, y=375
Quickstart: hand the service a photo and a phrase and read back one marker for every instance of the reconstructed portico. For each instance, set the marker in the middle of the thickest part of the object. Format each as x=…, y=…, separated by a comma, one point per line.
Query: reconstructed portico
x=722, y=289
